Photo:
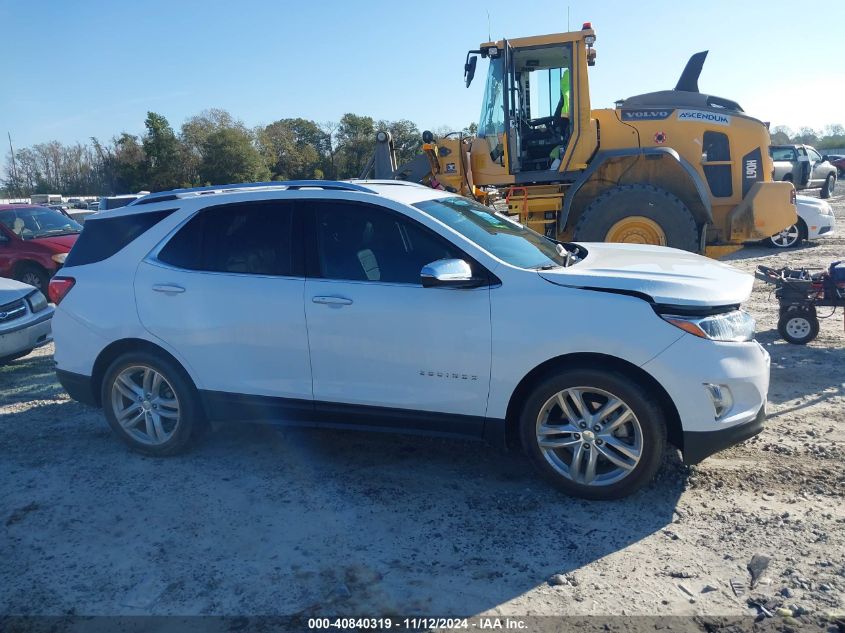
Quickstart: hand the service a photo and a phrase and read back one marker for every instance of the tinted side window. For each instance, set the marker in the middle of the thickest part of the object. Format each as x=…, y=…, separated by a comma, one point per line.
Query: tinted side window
x=103, y=237
x=253, y=239
x=719, y=177
x=716, y=146
x=363, y=242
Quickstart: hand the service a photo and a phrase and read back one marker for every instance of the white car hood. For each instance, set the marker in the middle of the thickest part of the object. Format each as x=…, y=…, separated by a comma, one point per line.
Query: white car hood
x=667, y=275
x=11, y=290
x=811, y=201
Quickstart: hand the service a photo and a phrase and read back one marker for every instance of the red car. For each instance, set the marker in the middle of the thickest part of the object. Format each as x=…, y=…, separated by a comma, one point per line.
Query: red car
x=34, y=242
x=839, y=162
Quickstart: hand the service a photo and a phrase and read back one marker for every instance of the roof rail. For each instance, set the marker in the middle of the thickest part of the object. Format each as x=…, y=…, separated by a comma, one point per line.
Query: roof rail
x=406, y=183
x=174, y=194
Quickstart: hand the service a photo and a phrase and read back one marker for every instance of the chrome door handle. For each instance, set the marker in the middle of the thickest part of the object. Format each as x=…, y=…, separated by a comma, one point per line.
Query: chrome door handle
x=168, y=289
x=332, y=301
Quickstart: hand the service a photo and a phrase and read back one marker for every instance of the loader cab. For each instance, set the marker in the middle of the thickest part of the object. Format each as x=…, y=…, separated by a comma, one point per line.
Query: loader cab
x=526, y=106
x=529, y=105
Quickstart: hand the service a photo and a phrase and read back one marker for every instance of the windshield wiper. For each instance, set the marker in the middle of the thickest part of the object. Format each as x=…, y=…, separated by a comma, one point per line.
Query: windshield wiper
x=58, y=233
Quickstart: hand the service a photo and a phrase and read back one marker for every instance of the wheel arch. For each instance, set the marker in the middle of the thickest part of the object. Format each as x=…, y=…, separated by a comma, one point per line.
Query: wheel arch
x=661, y=167
x=674, y=430
x=22, y=263
x=803, y=229
x=115, y=349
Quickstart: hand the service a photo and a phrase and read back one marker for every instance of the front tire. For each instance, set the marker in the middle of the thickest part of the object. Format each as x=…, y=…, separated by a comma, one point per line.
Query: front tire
x=638, y=214
x=592, y=433
x=150, y=403
x=829, y=186
x=790, y=237
x=33, y=275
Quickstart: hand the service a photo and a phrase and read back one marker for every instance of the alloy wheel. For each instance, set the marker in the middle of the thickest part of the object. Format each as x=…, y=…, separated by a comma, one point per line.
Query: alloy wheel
x=145, y=405
x=589, y=436
x=788, y=237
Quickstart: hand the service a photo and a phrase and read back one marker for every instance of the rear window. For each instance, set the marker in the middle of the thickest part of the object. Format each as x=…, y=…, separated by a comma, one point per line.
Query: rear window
x=248, y=238
x=114, y=203
x=782, y=153
x=103, y=237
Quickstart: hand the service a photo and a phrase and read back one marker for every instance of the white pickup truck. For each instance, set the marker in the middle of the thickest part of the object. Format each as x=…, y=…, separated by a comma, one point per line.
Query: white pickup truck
x=804, y=167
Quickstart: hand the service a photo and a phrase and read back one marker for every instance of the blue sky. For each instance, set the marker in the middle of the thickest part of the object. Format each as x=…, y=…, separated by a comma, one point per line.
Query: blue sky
x=72, y=70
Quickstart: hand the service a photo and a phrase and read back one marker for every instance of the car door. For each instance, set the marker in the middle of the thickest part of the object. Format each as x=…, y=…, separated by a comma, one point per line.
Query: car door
x=804, y=177
x=225, y=292
x=385, y=350
x=7, y=254
x=818, y=167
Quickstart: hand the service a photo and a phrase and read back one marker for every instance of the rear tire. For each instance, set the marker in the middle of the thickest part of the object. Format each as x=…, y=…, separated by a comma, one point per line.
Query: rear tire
x=798, y=325
x=33, y=275
x=626, y=446
x=829, y=186
x=150, y=403
x=652, y=206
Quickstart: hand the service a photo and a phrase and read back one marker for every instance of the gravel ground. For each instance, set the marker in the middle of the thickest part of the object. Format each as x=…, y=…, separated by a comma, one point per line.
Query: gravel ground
x=257, y=520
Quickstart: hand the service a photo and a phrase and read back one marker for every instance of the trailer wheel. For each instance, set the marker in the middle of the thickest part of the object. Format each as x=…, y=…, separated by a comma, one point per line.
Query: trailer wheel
x=639, y=214
x=798, y=326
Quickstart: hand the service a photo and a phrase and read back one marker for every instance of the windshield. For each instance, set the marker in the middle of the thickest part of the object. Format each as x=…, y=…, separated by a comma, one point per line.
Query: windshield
x=38, y=222
x=491, y=124
x=495, y=233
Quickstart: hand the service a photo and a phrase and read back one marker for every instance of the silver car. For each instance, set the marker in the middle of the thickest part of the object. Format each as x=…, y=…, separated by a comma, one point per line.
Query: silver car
x=24, y=320
x=804, y=167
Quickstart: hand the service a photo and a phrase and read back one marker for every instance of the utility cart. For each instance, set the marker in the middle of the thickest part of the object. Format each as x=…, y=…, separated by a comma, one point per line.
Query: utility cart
x=800, y=291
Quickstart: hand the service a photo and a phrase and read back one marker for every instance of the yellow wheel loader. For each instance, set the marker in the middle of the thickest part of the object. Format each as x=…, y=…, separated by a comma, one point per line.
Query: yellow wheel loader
x=675, y=168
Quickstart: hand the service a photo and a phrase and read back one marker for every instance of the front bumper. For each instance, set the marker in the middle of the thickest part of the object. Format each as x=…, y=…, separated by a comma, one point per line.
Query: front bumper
x=686, y=366
x=29, y=334
x=699, y=445
x=825, y=227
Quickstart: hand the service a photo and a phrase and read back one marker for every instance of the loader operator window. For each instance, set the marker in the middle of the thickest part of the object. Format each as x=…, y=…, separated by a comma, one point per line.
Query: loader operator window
x=543, y=78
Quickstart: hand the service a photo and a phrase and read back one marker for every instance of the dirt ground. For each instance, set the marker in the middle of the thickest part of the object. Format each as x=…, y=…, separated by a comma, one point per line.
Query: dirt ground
x=257, y=520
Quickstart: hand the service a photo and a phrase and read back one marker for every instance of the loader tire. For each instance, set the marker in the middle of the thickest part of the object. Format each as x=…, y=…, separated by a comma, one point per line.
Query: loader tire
x=639, y=214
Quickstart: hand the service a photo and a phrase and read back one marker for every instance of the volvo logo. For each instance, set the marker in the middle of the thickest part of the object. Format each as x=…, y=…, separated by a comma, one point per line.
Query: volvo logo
x=3, y=315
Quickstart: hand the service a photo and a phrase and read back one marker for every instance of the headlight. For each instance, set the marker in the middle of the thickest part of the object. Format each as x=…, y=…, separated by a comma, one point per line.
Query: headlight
x=737, y=326
x=37, y=301
x=59, y=258
x=826, y=209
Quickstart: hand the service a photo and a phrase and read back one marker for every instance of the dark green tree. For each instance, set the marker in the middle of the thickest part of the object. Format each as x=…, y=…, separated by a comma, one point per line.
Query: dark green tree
x=228, y=156
x=294, y=148
x=355, y=139
x=162, y=154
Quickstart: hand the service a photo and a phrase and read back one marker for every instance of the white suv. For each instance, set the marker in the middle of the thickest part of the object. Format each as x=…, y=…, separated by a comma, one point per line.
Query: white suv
x=392, y=306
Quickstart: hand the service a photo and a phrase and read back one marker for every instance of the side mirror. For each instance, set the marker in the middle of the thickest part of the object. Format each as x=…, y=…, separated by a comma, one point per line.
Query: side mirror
x=449, y=273
x=469, y=69
x=825, y=158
